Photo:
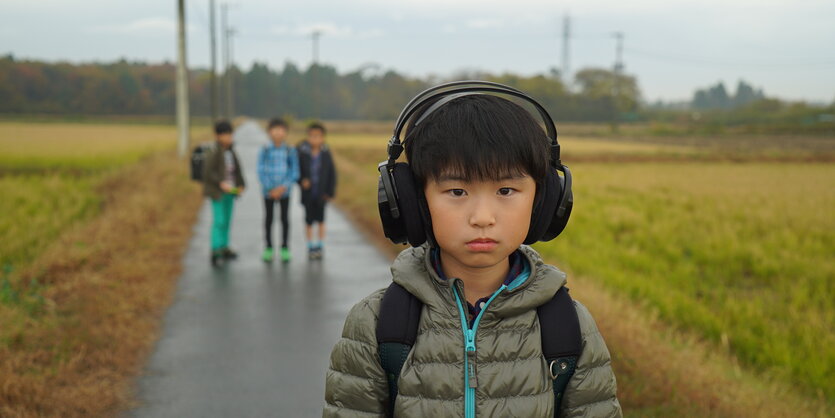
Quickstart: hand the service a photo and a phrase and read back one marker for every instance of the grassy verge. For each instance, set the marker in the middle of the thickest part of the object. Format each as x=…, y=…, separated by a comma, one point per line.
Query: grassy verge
x=710, y=280
x=37, y=208
x=95, y=222
x=85, y=312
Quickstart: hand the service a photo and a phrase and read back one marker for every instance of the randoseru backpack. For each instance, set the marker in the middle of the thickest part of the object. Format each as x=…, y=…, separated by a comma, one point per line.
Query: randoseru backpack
x=198, y=157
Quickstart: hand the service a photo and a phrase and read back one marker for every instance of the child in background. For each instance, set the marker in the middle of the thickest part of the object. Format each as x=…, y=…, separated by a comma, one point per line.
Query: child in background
x=278, y=169
x=222, y=183
x=318, y=181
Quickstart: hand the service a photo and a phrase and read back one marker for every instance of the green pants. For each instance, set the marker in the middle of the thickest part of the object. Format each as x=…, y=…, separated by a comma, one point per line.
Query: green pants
x=222, y=219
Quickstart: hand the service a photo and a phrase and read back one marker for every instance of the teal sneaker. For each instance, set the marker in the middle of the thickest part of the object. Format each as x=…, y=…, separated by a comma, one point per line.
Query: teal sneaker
x=267, y=255
x=285, y=254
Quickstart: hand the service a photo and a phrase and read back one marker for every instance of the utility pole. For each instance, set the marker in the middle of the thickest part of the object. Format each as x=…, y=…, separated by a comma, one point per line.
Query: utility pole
x=224, y=50
x=230, y=80
x=182, y=82
x=213, y=50
x=315, y=68
x=566, y=35
x=616, y=84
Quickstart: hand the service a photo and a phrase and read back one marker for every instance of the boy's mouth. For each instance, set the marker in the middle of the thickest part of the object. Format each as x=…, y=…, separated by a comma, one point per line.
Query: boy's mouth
x=482, y=244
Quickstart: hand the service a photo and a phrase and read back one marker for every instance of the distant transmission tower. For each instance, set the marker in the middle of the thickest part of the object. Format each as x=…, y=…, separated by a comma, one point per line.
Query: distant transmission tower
x=566, y=36
x=616, y=82
x=315, y=37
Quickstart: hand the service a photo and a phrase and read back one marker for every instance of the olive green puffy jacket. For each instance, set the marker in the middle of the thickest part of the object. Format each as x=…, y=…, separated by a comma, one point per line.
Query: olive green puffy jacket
x=512, y=377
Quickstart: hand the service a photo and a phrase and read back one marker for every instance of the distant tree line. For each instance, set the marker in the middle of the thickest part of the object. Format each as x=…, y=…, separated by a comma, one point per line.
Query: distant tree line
x=594, y=95
x=713, y=109
x=717, y=97
x=135, y=88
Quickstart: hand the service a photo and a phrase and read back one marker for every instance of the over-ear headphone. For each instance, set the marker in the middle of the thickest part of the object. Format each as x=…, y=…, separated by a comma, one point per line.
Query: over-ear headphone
x=402, y=205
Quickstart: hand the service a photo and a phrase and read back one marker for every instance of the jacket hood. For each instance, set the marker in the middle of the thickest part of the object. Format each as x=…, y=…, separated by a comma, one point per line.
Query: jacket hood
x=412, y=270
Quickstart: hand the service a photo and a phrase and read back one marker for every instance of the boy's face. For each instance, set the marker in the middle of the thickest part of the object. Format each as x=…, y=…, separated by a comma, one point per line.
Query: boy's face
x=225, y=139
x=479, y=224
x=315, y=137
x=278, y=133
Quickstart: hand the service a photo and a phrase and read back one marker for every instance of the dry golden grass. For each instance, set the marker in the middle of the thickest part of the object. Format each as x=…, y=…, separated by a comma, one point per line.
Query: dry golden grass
x=103, y=286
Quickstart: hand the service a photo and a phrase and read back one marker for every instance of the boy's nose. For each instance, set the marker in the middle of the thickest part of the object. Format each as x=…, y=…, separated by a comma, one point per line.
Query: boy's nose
x=482, y=216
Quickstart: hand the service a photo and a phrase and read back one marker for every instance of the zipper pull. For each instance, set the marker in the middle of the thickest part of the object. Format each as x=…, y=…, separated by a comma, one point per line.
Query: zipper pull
x=472, y=370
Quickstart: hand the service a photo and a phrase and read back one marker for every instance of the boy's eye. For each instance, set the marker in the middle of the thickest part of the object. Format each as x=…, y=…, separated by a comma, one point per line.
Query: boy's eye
x=506, y=191
x=456, y=192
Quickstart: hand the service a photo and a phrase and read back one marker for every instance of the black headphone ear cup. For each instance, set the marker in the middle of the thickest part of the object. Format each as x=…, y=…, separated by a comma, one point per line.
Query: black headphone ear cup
x=408, y=200
x=558, y=223
x=545, y=207
x=393, y=228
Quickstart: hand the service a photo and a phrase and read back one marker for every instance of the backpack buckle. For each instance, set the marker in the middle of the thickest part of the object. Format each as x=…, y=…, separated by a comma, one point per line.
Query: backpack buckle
x=555, y=369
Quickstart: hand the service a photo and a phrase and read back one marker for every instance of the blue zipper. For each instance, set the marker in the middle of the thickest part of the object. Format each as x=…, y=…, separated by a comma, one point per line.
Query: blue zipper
x=470, y=371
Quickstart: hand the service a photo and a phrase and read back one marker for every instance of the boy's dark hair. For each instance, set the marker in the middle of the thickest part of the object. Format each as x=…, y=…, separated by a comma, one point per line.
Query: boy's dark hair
x=317, y=125
x=223, y=127
x=277, y=122
x=477, y=137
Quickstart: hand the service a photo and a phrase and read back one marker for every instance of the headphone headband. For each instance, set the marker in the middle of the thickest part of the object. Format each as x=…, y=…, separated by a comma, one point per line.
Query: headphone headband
x=463, y=88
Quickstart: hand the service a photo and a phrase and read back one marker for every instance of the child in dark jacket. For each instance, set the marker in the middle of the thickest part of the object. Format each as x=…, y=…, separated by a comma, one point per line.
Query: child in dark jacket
x=318, y=182
x=482, y=181
x=223, y=181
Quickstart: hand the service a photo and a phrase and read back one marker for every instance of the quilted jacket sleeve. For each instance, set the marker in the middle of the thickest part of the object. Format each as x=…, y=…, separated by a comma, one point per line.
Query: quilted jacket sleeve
x=356, y=384
x=592, y=391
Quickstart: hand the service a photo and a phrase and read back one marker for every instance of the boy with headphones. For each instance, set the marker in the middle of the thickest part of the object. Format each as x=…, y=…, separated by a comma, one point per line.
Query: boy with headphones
x=474, y=323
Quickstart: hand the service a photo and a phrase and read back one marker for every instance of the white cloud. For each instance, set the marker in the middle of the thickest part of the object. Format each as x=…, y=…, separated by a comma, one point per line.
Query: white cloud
x=326, y=29
x=449, y=28
x=148, y=25
x=483, y=23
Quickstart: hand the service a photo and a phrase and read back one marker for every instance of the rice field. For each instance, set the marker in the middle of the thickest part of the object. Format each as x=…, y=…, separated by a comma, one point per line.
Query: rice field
x=30, y=147
x=741, y=253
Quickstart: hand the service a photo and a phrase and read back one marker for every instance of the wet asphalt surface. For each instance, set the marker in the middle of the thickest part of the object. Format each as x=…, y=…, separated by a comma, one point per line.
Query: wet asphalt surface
x=252, y=339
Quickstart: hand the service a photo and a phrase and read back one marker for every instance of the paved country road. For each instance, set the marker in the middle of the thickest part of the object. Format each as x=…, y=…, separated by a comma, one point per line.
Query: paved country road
x=253, y=339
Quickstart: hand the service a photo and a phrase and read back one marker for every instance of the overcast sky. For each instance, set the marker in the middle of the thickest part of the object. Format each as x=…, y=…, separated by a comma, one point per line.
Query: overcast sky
x=786, y=47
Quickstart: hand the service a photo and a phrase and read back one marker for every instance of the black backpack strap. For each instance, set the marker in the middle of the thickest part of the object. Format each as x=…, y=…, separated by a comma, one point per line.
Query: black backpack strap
x=397, y=327
x=562, y=341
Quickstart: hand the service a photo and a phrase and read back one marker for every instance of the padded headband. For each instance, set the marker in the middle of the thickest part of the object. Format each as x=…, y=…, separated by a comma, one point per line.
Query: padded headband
x=458, y=89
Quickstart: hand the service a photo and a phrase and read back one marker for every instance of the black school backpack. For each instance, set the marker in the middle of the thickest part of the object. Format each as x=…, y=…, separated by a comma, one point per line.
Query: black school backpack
x=198, y=157
x=397, y=327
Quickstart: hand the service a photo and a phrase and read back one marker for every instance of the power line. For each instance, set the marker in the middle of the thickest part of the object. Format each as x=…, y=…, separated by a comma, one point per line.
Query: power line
x=198, y=11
